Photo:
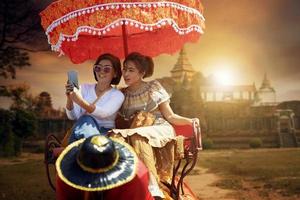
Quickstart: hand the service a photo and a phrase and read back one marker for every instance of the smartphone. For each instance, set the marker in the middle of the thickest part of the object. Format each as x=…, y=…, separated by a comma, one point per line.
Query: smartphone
x=73, y=78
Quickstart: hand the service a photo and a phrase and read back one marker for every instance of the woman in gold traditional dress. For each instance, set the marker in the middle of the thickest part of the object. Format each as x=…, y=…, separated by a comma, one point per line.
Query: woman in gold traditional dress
x=153, y=142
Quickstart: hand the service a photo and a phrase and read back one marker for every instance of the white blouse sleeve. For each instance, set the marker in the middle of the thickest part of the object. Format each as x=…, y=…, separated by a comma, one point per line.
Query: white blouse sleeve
x=158, y=92
x=77, y=111
x=111, y=106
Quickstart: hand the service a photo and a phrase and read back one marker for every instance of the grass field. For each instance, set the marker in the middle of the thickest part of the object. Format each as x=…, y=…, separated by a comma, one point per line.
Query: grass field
x=265, y=170
x=24, y=180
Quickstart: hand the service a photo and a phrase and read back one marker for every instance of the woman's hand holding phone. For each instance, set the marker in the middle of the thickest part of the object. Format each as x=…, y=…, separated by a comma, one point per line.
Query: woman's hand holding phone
x=69, y=88
x=72, y=82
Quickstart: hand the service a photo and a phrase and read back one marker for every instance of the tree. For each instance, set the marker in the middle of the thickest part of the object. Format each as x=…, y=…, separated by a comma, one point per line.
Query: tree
x=20, y=96
x=43, y=107
x=15, y=126
x=4, y=91
x=44, y=100
x=24, y=123
x=20, y=32
x=6, y=133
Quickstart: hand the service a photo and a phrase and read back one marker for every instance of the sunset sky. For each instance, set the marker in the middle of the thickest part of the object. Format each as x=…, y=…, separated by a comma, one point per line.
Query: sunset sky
x=243, y=39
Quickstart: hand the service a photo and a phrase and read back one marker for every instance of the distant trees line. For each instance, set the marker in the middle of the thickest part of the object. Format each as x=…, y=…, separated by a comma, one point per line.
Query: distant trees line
x=20, y=121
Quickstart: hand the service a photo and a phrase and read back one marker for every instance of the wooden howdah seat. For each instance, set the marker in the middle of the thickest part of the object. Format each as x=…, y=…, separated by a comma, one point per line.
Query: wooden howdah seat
x=188, y=144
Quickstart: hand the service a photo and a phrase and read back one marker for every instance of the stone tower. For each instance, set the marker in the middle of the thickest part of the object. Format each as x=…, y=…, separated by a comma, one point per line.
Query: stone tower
x=183, y=68
x=266, y=94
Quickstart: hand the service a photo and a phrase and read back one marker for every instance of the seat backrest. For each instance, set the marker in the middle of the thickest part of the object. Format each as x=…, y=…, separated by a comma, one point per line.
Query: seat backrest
x=192, y=135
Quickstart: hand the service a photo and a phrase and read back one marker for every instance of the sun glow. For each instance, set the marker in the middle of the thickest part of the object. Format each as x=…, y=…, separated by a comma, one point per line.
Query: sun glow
x=223, y=75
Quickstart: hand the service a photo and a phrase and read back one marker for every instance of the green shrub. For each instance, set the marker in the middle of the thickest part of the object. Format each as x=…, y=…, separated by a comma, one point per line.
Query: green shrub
x=207, y=143
x=6, y=134
x=255, y=143
x=15, y=126
x=18, y=145
x=24, y=123
x=8, y=148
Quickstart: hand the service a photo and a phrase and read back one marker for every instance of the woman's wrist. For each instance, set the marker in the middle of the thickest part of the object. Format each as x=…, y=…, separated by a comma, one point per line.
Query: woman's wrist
x=82, y=103
x=69, y=104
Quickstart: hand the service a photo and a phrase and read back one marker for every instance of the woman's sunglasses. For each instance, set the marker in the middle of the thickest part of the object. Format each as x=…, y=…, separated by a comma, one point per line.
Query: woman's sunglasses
x=106, y=68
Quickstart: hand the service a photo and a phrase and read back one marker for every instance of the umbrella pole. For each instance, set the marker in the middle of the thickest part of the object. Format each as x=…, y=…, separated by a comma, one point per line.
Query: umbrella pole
x=125, y=42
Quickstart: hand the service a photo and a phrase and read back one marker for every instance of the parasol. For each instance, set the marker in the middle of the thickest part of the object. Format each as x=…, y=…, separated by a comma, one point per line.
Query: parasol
x=83, y=30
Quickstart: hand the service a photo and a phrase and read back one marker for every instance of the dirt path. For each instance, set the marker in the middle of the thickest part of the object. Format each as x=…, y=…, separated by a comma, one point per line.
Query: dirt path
x=22, y=158
x=203, y=185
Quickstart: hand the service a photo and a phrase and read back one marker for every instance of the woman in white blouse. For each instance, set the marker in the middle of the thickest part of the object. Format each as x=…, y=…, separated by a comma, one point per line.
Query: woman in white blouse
x=95, y=106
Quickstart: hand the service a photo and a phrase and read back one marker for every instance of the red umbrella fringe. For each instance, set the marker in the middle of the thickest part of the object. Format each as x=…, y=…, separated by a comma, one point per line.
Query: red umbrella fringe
x=83, y=33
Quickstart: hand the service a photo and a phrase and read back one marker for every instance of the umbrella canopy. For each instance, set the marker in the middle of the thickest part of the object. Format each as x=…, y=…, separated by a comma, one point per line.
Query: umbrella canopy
x=85, y=29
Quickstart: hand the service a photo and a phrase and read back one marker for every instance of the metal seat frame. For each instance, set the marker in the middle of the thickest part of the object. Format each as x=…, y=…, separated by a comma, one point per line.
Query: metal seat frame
x=192, y=146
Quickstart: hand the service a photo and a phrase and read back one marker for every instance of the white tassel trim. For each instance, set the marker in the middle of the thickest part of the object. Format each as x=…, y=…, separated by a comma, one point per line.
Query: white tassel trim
x=124, y=5
x=130, y=22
